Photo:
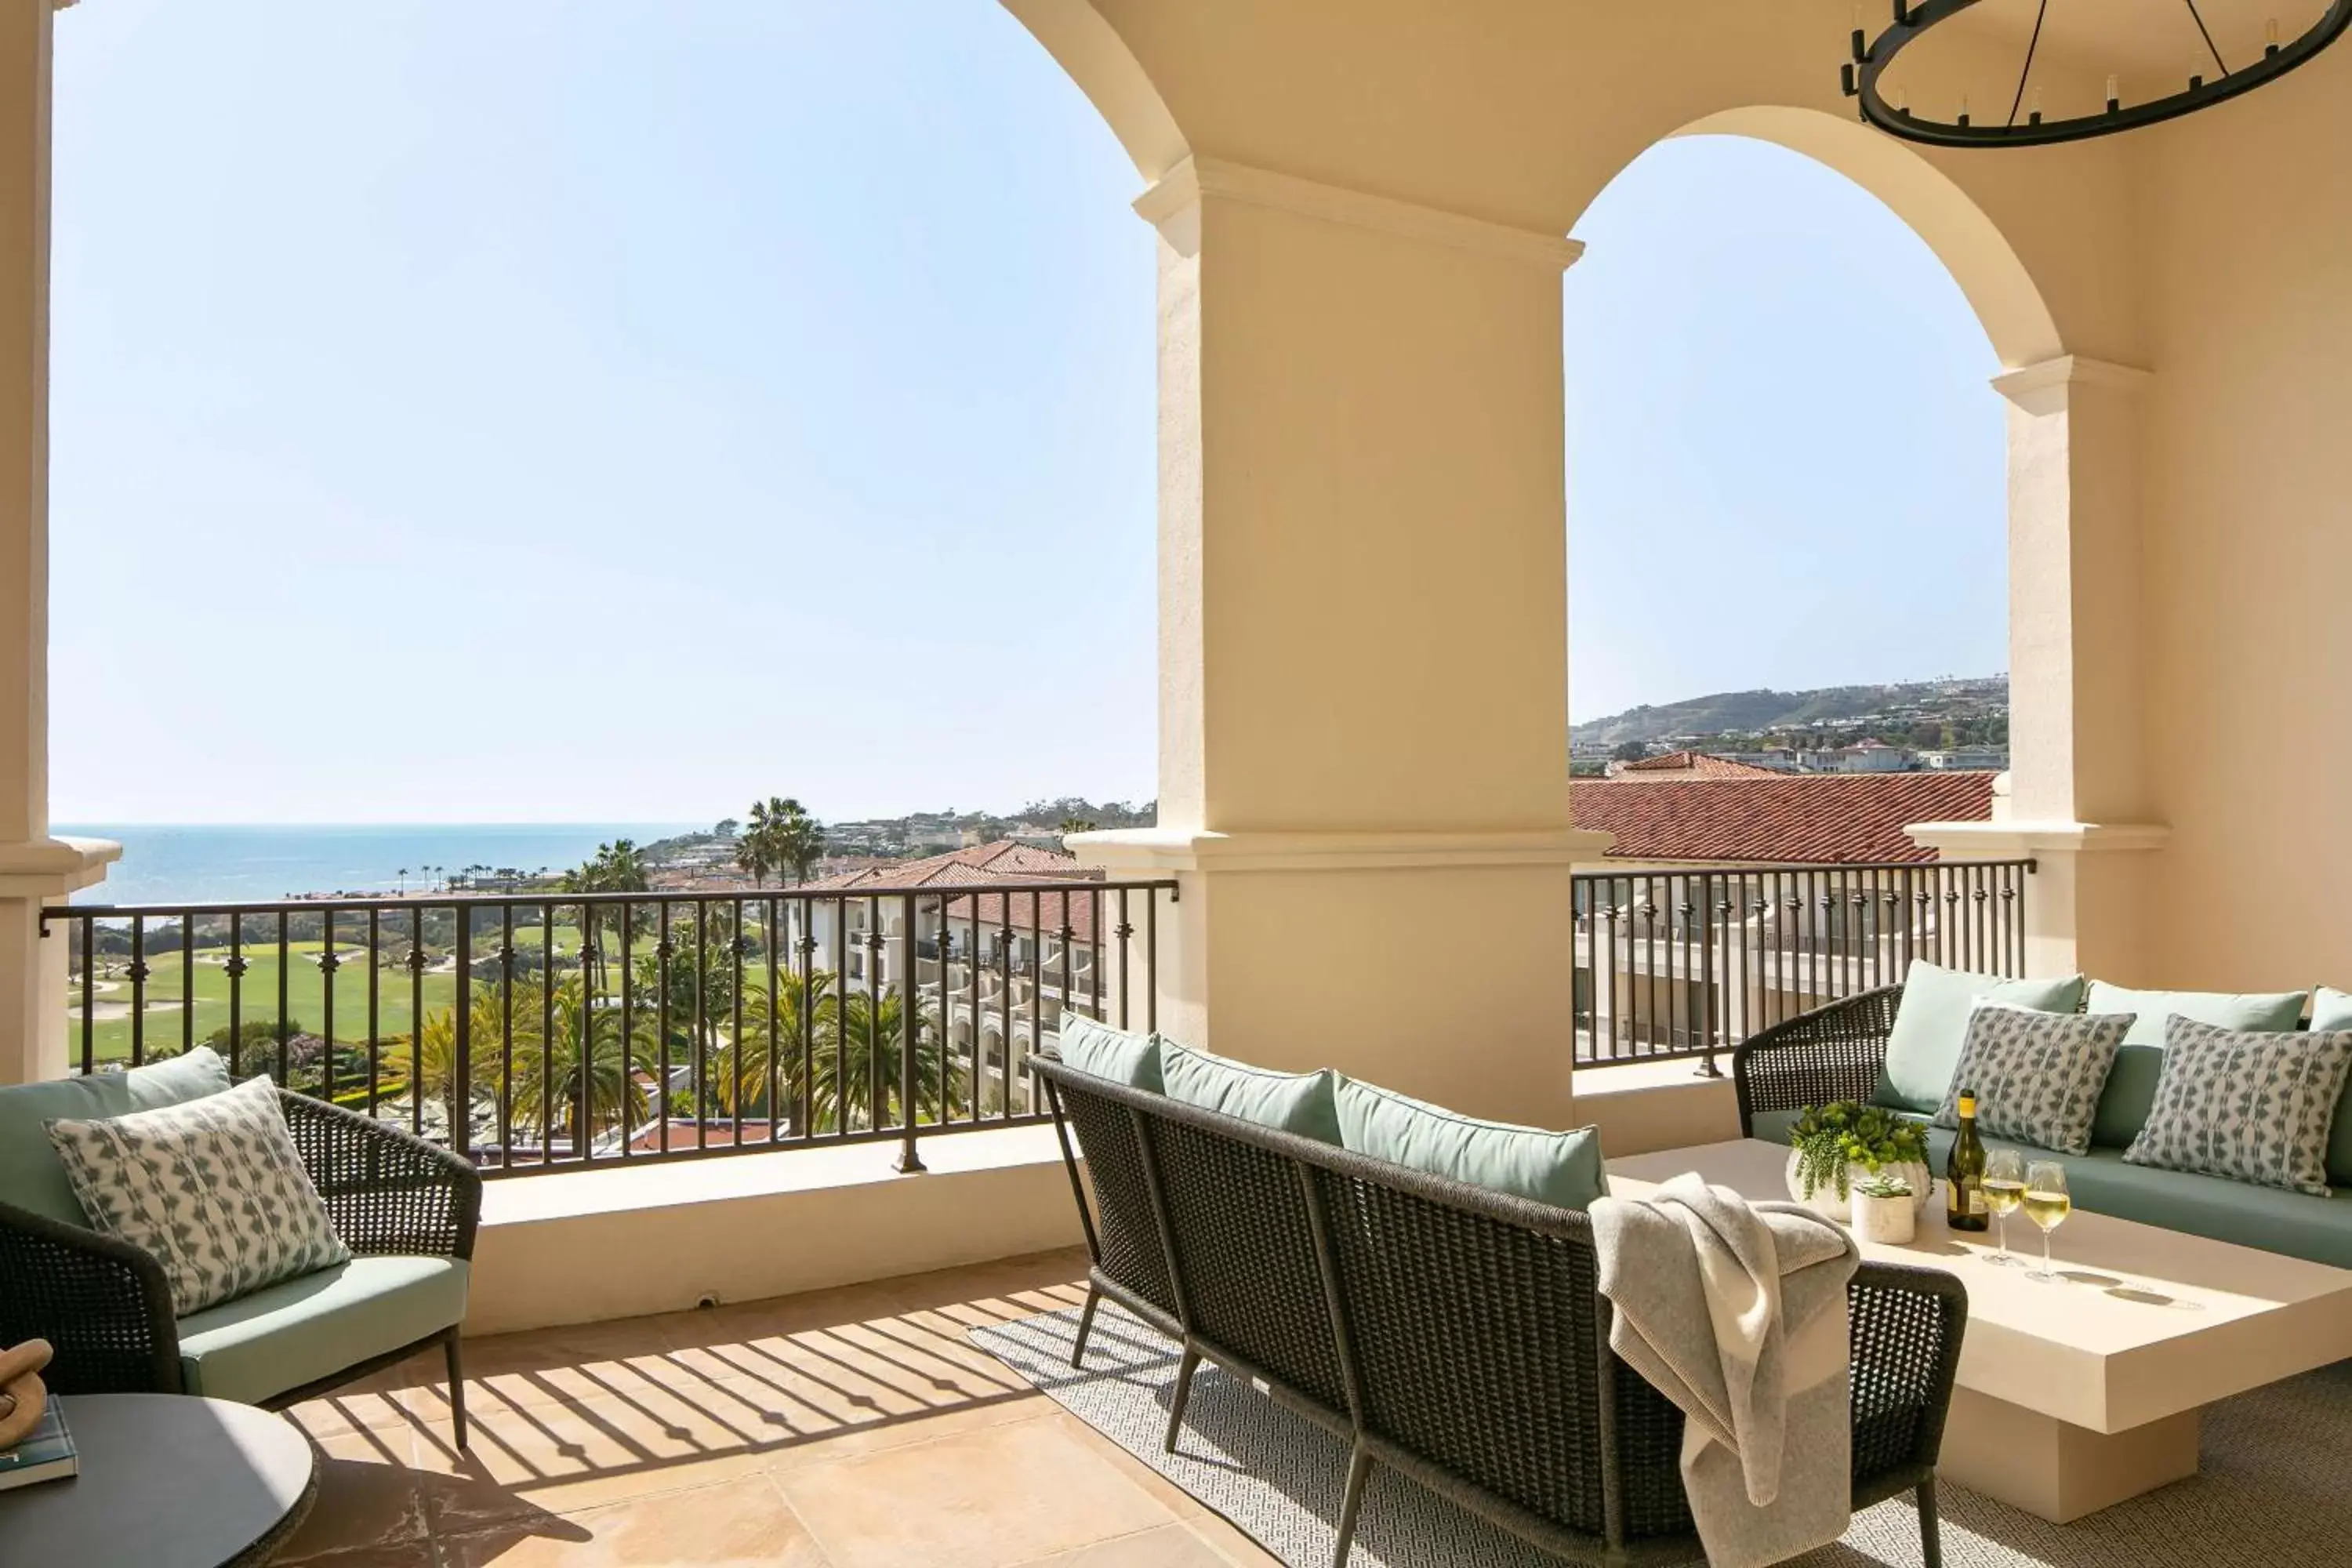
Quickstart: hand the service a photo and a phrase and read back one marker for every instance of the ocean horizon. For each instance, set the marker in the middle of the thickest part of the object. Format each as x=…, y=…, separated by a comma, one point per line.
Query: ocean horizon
x=198, y=863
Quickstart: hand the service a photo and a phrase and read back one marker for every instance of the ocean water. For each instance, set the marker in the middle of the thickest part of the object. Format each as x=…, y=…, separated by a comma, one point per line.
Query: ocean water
x=218, y=864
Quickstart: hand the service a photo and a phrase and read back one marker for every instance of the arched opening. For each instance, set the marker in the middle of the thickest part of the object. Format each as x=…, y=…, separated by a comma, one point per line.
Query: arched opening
x=1789, y=523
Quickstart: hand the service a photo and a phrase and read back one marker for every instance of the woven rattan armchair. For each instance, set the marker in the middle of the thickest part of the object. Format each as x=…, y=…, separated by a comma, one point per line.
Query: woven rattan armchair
x=1455, y=1335
x=104, y=1306
x=1829, y=1054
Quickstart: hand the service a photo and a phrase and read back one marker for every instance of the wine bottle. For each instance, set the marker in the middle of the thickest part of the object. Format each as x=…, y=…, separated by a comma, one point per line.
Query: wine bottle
x=1964, y=1170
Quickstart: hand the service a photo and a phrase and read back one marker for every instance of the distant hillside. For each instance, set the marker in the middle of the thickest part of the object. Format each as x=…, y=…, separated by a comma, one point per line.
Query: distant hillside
x=1760, y=712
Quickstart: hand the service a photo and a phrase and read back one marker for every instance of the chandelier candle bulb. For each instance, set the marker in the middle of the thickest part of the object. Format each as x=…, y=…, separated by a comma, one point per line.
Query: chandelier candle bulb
x=2269, y=37
x=2114, y=94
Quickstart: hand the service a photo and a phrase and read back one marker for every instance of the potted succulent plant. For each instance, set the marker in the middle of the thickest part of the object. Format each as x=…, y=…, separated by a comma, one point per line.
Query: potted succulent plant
x=1881, y=1209
x=1832, y=1146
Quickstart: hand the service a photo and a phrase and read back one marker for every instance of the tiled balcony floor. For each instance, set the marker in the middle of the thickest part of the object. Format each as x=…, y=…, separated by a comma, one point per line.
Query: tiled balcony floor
x=851, y=1428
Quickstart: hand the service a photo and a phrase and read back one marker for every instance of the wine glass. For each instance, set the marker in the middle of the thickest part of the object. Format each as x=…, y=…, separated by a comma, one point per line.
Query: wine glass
x=2047, y=1204
x=2004, y=1189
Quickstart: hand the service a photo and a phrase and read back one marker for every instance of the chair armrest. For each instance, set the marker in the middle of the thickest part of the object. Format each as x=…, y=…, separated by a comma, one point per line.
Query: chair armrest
x=386, y=1190
x=1828, y=1054
x=1905, y=1327
x=102, y=1304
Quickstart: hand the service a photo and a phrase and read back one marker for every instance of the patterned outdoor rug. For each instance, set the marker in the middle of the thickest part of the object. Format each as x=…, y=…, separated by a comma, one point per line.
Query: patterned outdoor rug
x=2274, y=1492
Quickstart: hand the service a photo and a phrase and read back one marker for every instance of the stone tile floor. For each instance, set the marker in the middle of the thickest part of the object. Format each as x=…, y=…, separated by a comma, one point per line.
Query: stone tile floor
x=850, y=1428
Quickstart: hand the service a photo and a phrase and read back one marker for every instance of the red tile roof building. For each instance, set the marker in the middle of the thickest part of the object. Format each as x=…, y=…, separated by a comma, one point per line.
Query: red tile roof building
x=1004, y=864
x=1690, y=765
x=1799, y=819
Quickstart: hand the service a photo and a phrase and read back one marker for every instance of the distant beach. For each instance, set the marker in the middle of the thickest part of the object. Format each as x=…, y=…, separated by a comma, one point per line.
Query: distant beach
x=195, y=864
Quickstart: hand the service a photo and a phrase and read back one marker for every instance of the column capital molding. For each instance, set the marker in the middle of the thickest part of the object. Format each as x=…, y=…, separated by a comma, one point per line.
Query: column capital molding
x=2027, y=840
x=2044, y=388
x=1164, y=850
x=43, y=868
x=1181, y=189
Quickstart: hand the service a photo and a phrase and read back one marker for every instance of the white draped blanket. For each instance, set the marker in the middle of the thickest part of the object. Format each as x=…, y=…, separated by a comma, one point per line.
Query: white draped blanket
x=1736, y=1312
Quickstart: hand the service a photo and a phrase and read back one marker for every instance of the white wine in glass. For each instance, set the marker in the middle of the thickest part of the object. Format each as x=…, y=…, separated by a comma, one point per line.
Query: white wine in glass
x=2004, y=1189
x=2047, y=1204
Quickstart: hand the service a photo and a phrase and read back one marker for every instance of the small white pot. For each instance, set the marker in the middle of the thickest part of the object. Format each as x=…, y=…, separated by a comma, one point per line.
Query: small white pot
x=1830, y=1204
x=1890, y=1220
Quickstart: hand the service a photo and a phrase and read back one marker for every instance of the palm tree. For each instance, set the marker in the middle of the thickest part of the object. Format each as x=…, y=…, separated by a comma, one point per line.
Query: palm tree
x=755, y=851
x=1076, y=825
x=790, y=835
x=586, y=1066
x=866, y=1045
x=746, y=1062
x=615, y=867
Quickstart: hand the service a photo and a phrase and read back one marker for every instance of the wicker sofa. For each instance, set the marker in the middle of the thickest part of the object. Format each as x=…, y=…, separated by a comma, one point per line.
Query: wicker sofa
x=1450, y=1333
x=406, y=1209
x=1837, y=1052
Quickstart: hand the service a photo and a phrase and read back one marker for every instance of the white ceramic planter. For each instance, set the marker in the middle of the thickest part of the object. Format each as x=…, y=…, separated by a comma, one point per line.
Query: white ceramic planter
x=1830, y=1204
x=1889, y=1220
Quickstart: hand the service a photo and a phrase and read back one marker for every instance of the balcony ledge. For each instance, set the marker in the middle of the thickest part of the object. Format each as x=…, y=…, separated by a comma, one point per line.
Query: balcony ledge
x=585, y=1245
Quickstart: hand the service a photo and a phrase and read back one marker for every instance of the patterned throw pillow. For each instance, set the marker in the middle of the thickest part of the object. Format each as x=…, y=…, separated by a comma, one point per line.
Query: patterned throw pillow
x=212, y=1188
x=2036, y=1076
x=2254, y=1106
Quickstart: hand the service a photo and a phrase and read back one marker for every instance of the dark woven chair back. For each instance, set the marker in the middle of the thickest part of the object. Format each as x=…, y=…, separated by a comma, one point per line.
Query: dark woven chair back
x=1245, y=1257
x=1479, y=1346
x=1126, y=1237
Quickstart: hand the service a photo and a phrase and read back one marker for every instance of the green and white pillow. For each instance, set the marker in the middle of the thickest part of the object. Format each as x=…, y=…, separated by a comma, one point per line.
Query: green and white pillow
x=2036, y=1076
x=1931, y=1025
x=213, y=1189
x=2252, y=1106
x=1122, y=1056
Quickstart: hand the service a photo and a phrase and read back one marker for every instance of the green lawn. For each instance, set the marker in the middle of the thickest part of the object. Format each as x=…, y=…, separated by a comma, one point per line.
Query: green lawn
x=305, y=991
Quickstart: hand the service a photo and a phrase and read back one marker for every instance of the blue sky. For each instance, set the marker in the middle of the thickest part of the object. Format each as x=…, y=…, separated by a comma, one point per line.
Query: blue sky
x=575, y=412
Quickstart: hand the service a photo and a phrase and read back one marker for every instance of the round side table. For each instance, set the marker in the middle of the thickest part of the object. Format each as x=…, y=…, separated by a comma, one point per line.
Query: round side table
x=167, y=1481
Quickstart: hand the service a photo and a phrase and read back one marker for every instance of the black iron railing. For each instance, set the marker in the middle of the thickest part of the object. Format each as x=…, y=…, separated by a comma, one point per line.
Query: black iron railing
x=1689, y=962
x=546, y=1031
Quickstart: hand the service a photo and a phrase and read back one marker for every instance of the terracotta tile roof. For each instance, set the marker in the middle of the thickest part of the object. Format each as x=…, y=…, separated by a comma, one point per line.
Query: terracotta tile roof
x=1801, y=818
x=1690, y=765
x=980, y=864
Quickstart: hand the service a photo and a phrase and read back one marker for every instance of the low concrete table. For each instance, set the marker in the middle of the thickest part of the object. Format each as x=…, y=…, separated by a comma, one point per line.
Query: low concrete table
x=2074, y=1397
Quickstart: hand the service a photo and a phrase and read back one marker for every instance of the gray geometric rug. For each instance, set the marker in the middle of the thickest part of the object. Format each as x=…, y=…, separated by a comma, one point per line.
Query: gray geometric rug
x=2275, y=1490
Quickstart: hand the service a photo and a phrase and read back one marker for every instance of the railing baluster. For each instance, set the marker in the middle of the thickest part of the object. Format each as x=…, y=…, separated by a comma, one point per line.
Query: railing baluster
x=89, y=995
x=734, y=1056
x=662, y=949
x=909, y=1030
x=547, y=1034
x=775, y=1003
x=629, y=1030
x=327, y=963
x=374, y=1006
x=138, y=975
x=285, y=973
x=1125, y=932
x=506, y=1035
x=461, y=1093
x=806, y=948
x=416, y=962
x=187, y=983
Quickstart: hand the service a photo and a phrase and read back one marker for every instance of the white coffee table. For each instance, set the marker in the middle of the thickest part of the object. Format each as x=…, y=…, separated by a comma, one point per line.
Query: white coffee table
x=2074, y=1397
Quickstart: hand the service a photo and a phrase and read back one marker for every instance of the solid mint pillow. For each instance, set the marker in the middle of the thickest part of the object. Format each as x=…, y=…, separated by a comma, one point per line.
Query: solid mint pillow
x=1922, y=1049
x=2139, y=1066
x=1300, y=1102
x=2332, y=1009
x=1558, y=1168
x=1118, y=1054
x=31, y=1174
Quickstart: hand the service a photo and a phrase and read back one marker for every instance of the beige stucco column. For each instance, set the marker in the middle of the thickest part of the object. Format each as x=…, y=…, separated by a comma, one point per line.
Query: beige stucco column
x=2079, y=797
x=34, y=868
x=1363, y=745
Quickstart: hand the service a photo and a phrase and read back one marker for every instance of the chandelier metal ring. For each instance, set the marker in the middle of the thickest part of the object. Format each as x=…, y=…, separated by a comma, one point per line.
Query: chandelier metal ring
x=1861, y=79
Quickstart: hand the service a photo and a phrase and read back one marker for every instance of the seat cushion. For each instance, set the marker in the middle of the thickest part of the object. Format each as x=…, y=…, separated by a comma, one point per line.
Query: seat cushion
x=31, y=1176
x=1300, y=1102
x=1558, y=1168
x=2318, y=1230
x=1922, y=1049
x=300, y=1330
x=2131, y=1084
x=213, y=1189
x=1118, y=1054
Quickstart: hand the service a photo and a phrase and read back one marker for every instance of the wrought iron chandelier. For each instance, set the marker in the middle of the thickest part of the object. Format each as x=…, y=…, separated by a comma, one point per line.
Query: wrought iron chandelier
x=1863, y=76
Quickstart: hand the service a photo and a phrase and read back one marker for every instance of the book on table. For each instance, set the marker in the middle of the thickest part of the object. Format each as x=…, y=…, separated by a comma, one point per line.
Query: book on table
x=46, y=1456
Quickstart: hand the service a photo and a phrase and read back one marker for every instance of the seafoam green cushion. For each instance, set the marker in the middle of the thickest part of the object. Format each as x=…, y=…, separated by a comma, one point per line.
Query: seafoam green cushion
x=1301, y=1102
x=2332, y=1009
x=302, y=1330
x=1118, y=1054
x=2140, y=1064
x=31, y=1174
x=1923, y=1050
x=1560, y=1168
